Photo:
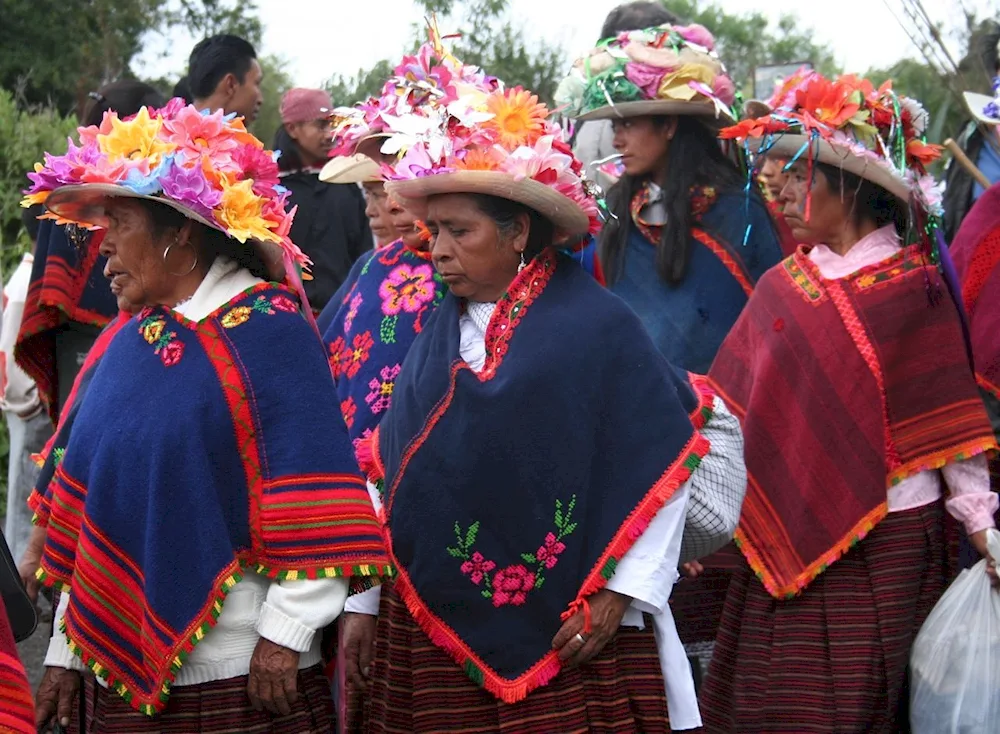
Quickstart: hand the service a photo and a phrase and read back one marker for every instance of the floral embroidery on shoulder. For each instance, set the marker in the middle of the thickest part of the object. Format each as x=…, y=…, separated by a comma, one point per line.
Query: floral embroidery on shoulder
x=347, y=360
x=381, y=387
x=512, y=584
x=407, y=289
x=352, y=311
x=153, y=328
x=241, y=314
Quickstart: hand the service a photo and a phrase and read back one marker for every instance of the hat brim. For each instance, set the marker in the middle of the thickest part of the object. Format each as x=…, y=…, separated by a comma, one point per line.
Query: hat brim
x=567, y=216
x=788, y=146
x=643, y=108
x=976, y=102
x=350, y=169
x=86, y=204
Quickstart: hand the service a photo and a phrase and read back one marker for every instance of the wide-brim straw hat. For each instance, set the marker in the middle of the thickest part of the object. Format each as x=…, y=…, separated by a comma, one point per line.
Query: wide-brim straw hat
x=788, y=145
x=567, y=216
x=709, y=113
x=977, y=103
x=87, y=204
x=350, y=169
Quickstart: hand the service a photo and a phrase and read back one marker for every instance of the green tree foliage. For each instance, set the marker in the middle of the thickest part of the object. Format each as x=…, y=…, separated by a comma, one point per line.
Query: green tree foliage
x=203, y=18
x=24, y=135
x=747, y=40
x=487, y=38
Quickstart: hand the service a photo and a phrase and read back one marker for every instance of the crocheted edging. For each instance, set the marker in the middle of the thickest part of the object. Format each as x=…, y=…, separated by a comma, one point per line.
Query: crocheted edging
x=512, y=691
x=964, y=451
x=703, y=412
x=795, y=587
x=197, y=630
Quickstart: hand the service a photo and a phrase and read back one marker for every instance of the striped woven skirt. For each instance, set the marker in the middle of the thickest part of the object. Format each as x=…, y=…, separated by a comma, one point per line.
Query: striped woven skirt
x=833, y=659
x=416, y=687
x=217, y=707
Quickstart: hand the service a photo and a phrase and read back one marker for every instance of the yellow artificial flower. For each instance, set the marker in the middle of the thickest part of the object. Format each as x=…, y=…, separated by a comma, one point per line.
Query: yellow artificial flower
x=135, y=139
x=675, y=84
x=240, y=212
x=37, y=198
x=519, y=119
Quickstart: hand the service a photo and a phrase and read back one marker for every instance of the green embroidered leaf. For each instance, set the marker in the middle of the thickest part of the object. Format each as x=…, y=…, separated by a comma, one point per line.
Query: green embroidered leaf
x=609, y=568
x=559, y=515
x=458, y=534
x=528, y=558
x=487, y=594
x=572, y=504
x=457, y=553
x=539, y=581
x=470, y=537
x=569, y=528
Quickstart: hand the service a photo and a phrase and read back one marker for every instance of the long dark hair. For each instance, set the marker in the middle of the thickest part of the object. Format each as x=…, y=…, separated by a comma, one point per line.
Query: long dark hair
x=124, y=97
x=871, y=202
x=696, y=159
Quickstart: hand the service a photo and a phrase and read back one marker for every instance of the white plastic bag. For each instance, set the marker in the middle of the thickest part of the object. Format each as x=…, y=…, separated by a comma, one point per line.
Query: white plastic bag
x=955, y=663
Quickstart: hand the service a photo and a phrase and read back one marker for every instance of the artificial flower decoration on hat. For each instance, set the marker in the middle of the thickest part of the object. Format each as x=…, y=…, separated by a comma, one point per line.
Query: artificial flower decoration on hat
x=666, y=70
x=984, y=108
x=847, y=122
x=205, y=165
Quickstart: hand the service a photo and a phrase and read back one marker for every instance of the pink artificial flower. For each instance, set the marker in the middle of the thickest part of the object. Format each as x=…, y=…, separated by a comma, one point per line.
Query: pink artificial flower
x=511, y=586
x=197, y=135
x=724, y=89
x=646, y=77
x=250, y=162
x=477, y=567
x=698, y=35
x=190, y=187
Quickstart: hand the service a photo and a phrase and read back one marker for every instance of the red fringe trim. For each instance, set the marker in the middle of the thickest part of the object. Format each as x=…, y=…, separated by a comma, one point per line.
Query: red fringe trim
x=512, y=691
x=369, y=459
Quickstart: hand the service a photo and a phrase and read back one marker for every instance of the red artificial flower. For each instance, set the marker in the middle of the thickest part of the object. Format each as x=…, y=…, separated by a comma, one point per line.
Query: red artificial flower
x=828, y=104
x=923, y=153
x=755, y=127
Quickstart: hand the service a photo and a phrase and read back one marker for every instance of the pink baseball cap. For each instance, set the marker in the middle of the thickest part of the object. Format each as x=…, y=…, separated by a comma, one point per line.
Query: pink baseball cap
x=302, y=105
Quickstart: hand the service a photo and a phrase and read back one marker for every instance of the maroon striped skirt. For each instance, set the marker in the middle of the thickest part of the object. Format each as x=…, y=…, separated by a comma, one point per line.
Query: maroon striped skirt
x=217, y=707
x=416, y=687
x=834, y=658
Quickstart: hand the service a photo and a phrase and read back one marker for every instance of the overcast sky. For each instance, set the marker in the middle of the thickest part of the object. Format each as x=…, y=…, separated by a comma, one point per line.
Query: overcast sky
x=321, y=37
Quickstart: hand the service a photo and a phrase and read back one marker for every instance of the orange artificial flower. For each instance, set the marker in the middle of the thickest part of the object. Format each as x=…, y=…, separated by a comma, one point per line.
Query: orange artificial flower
x=829, y=104
x=754, y=127
x=518, y=117
x=922, y=153
x=479, y=159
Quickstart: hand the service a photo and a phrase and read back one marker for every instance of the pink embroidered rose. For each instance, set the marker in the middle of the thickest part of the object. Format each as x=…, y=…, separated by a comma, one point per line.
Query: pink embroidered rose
x=477, y=567
x=381, y=387
x=408, y=288
x=171, y=353
x=549, y=552
x=284, y=303
x=511, y=586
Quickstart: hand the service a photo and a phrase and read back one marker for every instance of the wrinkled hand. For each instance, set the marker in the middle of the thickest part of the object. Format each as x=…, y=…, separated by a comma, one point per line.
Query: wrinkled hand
x=31, y=561
x=978, y=541
x=606, y=611
x=56, y=697
x=359, y=649
x=272, y=682
x=692, y=570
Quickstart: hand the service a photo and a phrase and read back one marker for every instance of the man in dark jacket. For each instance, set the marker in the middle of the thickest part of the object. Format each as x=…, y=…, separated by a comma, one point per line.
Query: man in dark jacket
x=330, y=225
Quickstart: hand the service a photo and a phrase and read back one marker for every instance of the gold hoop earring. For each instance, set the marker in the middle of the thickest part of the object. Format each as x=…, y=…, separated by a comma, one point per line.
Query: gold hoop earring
x=166, y=253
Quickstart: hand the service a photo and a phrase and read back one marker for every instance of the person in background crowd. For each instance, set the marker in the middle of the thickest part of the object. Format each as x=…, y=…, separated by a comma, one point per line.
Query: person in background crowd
x=27, y=422
x=361, y=170
x=224, y=74
x=330, y=223
x=593, y=140
x=683, y=247
x=849, y=372
x=68, y=300
x=255, y=589
x=980, y=138
x=976, y=254
x=182, y=90
x=773, y=177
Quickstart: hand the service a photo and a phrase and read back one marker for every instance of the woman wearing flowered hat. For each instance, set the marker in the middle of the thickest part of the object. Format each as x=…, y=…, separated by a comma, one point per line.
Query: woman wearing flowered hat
x=849, y=371
x=177, y=525
x=532, y=525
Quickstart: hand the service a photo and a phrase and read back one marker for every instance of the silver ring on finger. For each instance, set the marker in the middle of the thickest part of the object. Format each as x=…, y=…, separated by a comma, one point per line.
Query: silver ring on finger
x=580, y=638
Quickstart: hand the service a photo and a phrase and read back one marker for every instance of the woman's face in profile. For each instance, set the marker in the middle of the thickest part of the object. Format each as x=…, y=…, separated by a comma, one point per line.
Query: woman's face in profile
x=138, y=266
x=644, y=143
x=467, y=248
